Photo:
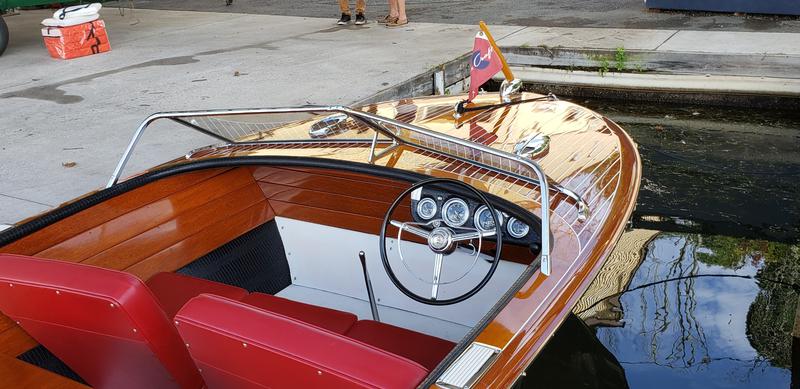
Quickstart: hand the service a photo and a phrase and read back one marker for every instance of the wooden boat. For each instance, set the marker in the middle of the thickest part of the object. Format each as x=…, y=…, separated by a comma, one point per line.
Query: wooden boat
x=393, y=245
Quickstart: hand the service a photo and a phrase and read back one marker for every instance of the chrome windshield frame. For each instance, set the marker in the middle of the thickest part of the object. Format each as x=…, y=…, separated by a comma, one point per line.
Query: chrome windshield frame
x=374, y=122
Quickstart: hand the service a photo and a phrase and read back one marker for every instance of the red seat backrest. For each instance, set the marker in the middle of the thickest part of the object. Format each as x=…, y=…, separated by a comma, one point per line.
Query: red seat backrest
x=104, y=324
x=236, y=345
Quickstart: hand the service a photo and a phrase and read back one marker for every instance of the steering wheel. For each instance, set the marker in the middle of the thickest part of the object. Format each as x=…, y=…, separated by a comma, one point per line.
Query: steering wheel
x=442, y=241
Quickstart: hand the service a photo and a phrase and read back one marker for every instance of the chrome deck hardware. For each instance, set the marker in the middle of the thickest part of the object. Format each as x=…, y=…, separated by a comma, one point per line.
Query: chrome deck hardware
x=532, y=146
x=468, y=367
x=327, y=126
x=508, y=89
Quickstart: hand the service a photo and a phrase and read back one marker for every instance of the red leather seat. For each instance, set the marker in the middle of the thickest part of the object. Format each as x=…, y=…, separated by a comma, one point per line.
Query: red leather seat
x=173, y=290
x=424, y=349
x=241, y=346
x=104, y=324
x=329, y=319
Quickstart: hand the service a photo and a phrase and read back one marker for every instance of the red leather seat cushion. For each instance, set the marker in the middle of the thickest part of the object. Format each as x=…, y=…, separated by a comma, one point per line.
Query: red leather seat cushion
x=424, y=349
x=329, y=319
x=104, y=324
x=173, y=290
x=241, y=346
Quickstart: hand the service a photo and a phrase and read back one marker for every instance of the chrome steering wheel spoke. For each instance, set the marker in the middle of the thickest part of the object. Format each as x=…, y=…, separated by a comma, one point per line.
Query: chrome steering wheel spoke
x=472, y=235
x=437, y=274
x=422, y=233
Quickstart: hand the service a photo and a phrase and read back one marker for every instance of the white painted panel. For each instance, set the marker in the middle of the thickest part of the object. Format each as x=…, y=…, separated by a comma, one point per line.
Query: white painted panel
x=326, y=258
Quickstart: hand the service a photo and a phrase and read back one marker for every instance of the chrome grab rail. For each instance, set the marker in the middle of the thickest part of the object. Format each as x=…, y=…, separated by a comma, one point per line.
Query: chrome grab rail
x=372, y=121
x=583, y=208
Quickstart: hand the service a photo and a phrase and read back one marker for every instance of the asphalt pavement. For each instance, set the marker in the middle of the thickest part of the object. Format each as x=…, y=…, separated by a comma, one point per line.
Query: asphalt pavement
x=542, y=13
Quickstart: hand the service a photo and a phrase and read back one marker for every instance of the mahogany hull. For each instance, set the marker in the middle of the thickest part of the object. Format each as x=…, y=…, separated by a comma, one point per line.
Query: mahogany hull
x=167, y=223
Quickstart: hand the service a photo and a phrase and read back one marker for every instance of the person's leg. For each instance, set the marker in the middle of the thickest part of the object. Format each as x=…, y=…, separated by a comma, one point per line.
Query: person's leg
x=402, y=19
x=401, y=10
x=392, y=13
x=344, y=6
x=361, y=5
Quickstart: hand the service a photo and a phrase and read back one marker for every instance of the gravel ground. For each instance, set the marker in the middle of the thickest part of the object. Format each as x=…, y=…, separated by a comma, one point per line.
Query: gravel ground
x=548, y=13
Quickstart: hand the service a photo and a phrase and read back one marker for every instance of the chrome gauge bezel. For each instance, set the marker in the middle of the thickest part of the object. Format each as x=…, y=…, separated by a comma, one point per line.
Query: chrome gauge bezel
x=510, y=230
x=476, y=218
x=448, y=204
x=423, y=201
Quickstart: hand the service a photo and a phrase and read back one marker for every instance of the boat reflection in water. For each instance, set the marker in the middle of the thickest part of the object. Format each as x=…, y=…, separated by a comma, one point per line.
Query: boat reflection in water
x=697, y=311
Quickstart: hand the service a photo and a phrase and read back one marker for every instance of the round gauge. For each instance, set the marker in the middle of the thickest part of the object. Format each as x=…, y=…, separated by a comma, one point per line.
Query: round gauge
x=455, y=212
x=426, y=208
x=483, y=220
x=517, y=228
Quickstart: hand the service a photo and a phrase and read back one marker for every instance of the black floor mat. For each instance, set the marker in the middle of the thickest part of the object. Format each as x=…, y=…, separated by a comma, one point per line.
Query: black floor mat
x=255, y=261
x=43, y=358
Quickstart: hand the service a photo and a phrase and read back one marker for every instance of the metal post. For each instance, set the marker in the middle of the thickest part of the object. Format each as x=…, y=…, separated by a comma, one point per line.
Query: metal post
x=372, y=304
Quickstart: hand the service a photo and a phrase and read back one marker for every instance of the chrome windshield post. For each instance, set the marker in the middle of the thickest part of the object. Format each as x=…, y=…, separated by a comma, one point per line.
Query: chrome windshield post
x=371, y=159
x=186, y=114
x=129, y=150
x=545, y=266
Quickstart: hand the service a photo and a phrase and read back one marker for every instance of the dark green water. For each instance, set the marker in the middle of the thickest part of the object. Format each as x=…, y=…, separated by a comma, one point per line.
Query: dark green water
x=713, y=301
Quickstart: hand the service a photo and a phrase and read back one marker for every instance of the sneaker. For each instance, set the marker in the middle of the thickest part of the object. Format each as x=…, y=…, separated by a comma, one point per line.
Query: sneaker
x=360, y=19
x=344, y=20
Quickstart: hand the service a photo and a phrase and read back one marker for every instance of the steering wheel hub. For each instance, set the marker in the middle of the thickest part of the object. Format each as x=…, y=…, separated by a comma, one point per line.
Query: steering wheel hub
x=441, y=240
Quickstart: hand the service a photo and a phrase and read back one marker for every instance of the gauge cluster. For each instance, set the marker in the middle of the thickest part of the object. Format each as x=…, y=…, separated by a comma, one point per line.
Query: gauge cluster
x=459, y=211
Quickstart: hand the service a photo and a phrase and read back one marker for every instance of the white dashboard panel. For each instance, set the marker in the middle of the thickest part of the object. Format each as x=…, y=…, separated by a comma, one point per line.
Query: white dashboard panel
x=326, y=258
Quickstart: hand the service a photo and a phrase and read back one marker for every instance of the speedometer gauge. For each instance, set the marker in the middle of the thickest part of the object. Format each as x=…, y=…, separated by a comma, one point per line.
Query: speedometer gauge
x=455, y=212
x=483, y=219
x=516, y=228
x=426, y=208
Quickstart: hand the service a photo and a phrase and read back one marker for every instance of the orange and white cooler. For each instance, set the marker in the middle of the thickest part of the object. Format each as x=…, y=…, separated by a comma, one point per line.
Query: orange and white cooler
x=75, y=32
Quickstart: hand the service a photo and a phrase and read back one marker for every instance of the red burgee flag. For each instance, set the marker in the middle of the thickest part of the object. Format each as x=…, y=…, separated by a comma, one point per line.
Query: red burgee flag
x=485, y=64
